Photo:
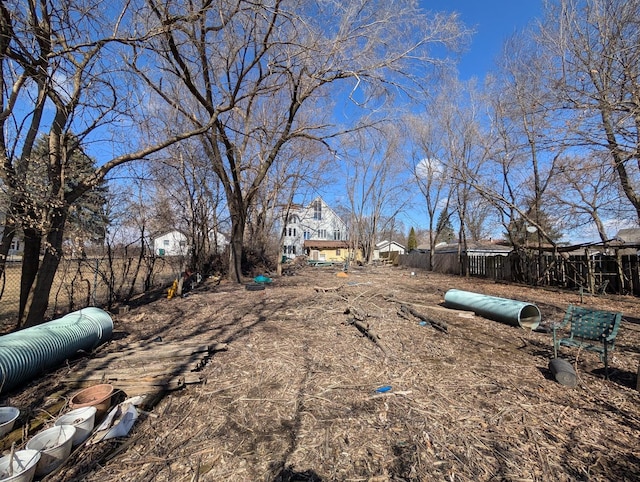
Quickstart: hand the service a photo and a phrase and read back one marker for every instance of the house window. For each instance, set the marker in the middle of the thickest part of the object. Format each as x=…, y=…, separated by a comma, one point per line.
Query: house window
x=337, y=252
x=294, y=231
x=284, y=250
x=336, y=235
x=166, y=242
x=289, y=231
x=322, y=233
x=306, y=235
x=293, y=250
x=183, y=244
x=317, y=210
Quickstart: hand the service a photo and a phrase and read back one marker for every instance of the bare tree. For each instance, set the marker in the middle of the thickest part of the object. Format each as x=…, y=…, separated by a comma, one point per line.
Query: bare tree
x=374, y=182
x=190, y=200
x=586, y=193
x=465, y=153
x=61, y=75
x=450, y=151
x=596, y=55
x=525, y=144
x=298, y=170
x=265, y=73
x=429, y=171
x=127, y=261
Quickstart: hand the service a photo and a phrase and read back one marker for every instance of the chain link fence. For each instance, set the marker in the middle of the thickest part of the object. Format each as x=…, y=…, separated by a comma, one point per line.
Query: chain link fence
x=105, y=282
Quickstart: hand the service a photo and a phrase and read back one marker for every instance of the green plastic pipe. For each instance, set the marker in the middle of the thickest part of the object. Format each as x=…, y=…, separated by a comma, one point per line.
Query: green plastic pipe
x=512, y=312
x=30, y=352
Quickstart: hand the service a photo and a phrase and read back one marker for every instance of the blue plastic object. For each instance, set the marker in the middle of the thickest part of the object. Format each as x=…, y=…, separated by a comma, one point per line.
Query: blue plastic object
x=262, y=279
x=384, y=389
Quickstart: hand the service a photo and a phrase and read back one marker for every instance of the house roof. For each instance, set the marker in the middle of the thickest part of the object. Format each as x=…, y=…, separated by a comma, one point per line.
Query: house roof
x=171, y=231
x=385, y=243
x=325, y=244
x=472, y=246
x=629, y=235
x=324, y=206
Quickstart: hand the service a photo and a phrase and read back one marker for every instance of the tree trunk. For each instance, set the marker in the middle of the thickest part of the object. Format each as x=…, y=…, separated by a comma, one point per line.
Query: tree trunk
x=236, y=245
x=8, y=234
x=38, y=300
x=136, y=273
x=30, y=266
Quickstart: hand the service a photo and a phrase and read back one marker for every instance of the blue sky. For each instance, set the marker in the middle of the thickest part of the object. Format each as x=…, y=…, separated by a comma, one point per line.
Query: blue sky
x=493, y=21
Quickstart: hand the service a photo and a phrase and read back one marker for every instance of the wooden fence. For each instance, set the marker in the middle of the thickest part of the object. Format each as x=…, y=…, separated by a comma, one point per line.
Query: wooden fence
x=614, y=274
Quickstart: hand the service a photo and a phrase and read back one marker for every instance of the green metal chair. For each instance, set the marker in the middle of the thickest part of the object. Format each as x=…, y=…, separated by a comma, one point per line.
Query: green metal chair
x=593, y=330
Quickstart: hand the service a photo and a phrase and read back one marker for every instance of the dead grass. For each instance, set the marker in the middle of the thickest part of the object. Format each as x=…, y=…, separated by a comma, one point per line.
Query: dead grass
x=294, y=396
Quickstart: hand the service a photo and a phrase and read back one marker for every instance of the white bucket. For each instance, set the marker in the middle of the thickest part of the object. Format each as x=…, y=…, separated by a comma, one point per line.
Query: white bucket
x=83, y=419
x=54, y=445
x=23, y=467
x=8, y=417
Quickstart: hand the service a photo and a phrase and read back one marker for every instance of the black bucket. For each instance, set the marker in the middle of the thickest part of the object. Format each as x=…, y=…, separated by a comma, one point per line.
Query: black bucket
x=563, y=372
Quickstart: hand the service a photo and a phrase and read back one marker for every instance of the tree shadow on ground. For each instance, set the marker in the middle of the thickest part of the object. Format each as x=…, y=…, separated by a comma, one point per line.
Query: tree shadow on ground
x=620, y=377
x=287, y=474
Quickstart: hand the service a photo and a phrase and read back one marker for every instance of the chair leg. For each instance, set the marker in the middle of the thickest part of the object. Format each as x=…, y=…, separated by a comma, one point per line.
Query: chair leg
x=606, y=362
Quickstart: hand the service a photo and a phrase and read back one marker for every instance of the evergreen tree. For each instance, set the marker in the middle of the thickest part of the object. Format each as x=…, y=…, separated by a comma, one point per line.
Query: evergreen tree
x=519, y=235
x=444, y=229
x=412, y=241
x=87, y=220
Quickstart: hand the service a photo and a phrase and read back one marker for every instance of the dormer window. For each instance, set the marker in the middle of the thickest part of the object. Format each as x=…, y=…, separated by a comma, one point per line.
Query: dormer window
x=317, y=210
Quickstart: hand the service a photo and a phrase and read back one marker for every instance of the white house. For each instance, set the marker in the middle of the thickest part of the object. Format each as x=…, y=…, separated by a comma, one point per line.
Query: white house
x=384, y=249
x=317, y=221
x=172, y=243
x=218, y=241
x=17, y=244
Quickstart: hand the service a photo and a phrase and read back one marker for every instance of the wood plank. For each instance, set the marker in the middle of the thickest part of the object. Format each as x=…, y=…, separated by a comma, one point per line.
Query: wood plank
x=167, y=383
x=161, y=352
x=156, y=352
x=109, y=375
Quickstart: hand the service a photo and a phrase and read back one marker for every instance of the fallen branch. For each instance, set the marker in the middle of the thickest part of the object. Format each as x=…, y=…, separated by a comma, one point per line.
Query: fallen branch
x=356, y=313
x=320, y=289
x=365, y=329
x=438, y=325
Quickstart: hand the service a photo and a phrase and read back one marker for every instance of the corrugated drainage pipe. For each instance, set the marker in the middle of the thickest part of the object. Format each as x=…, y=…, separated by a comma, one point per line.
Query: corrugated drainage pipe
x=517, y=313
x=32, y=351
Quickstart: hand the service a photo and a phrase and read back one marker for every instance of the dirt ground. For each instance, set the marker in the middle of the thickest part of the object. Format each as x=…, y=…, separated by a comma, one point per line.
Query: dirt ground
x=294, y=397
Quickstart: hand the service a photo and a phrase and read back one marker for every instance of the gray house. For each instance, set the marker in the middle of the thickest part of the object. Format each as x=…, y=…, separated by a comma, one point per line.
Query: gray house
x=315, y=222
